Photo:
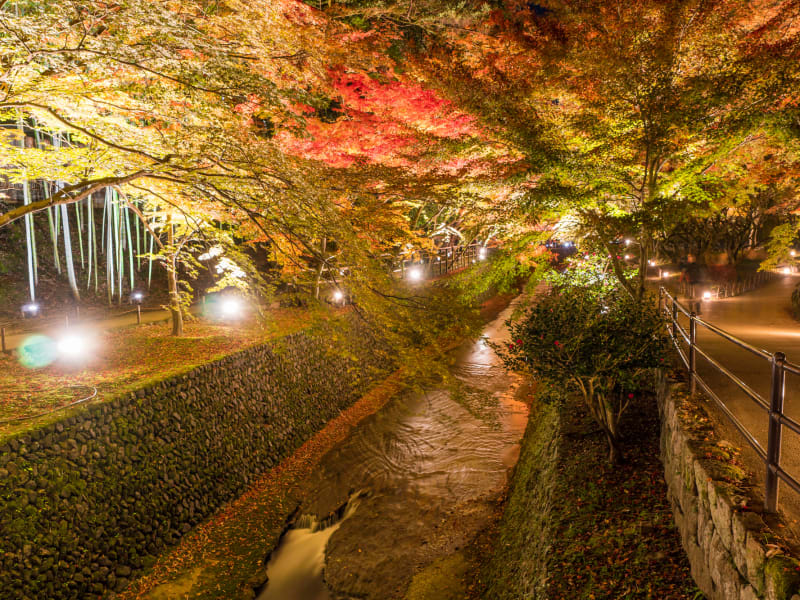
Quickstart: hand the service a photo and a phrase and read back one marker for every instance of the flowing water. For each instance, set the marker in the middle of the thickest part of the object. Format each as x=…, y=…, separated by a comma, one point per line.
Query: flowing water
x=428, y=468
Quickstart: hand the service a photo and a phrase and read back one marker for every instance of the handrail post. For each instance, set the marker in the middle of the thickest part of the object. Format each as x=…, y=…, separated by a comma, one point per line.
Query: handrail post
x=675, y=320
x=776, y=398
x=692, y=353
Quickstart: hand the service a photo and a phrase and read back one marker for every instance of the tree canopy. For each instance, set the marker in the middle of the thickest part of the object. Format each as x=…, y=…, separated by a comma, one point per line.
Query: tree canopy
x=371, y=127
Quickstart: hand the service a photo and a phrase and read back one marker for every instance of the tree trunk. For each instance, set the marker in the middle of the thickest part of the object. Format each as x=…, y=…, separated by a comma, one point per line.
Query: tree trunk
x=614, y=451
x=172, y=280
x=321, y=270
x=643, y=263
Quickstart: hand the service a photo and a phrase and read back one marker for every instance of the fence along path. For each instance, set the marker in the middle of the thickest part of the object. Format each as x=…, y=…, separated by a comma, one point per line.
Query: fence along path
x=736, y=350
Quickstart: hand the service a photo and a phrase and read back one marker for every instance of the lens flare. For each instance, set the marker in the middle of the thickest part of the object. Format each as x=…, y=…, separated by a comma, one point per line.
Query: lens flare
x=37, y=351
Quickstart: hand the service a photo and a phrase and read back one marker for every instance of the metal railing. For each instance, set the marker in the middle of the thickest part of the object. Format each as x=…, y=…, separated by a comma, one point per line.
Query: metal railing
x=445, y=260
x=773, y=406
x=729, y=289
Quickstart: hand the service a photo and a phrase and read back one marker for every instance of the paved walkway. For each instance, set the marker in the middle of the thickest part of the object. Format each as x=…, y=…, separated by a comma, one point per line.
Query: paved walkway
x=762, y=318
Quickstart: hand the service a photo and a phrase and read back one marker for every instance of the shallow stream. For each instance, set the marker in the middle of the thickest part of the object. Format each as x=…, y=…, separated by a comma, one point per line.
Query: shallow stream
x=412, y=483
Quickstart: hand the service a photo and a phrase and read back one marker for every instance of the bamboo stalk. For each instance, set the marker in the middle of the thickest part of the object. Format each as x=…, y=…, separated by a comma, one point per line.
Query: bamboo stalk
x=150, y=258
x=109, y=250
x=79, y=218
x=130, y=246
x=118, y=239
x=90, y=249
x=138, y=227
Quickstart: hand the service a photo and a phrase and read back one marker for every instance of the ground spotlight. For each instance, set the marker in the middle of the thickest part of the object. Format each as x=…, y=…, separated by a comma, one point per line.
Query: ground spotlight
x=31, y=309
x=230, y=308
x=75, y=346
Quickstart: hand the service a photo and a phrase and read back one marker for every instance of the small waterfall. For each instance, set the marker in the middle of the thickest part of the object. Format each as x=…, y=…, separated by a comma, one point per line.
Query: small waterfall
x=296, y=567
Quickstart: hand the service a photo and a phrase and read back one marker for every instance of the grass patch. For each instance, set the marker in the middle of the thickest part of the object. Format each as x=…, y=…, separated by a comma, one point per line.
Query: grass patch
x=128, y=359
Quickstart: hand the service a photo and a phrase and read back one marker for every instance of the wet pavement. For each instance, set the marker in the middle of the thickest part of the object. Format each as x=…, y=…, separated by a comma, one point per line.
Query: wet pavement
x=427, y=468
x=763, y=319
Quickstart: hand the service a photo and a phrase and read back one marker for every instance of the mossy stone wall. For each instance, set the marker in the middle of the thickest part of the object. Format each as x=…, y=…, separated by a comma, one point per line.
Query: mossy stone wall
x=89, y=501
x=726, y=545
x=518, y=568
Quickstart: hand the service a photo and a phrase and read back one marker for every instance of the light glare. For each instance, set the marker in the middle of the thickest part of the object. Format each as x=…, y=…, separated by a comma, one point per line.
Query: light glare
x=231, y=307
x=415, y=274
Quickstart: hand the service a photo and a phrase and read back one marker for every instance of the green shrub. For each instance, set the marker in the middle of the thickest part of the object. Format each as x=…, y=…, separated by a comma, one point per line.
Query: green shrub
x=593, y=338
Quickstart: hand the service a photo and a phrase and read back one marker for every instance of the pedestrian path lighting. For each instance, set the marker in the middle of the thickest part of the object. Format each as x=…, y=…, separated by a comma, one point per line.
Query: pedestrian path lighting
x=787, y=270
x=415, y=274
x=231, y=308
x=628, y=242
x=75, y=346
x=482, y=253
x=31, y=309
x=706, y=295
x=792, y=252
x=338, y=295
x=137, y=297
x=665, y=274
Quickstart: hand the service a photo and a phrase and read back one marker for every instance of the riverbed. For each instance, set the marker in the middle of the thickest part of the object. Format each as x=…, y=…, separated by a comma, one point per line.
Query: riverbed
x=413, y=483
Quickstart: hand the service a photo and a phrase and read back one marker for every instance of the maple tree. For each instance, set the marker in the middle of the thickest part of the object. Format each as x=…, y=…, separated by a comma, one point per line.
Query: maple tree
x=342, y=132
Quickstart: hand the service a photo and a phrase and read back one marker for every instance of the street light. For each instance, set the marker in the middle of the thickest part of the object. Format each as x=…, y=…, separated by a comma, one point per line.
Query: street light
x=792, y=253
x=628, y=242
x=706, y=295
x=787, y=271
x=665, y=274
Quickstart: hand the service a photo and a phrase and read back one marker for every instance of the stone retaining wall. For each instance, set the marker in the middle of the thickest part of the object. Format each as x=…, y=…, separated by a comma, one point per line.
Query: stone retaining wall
x=87, y=502
x=726, y=543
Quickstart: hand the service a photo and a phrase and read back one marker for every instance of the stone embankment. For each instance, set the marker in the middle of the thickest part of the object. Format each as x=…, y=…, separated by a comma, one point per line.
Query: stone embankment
x=90, y=500
x=728, y=545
